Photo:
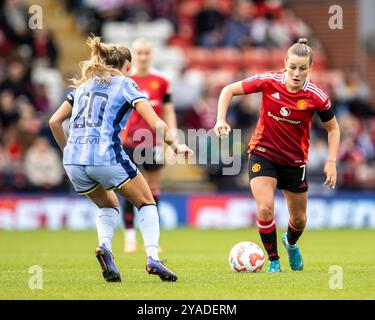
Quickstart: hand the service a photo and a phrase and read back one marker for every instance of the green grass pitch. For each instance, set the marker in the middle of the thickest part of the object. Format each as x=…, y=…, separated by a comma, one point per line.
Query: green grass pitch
x=200, y=259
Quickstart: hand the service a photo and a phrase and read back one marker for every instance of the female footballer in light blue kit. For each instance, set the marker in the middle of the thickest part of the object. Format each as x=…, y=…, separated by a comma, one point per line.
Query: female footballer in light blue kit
x=93, y=157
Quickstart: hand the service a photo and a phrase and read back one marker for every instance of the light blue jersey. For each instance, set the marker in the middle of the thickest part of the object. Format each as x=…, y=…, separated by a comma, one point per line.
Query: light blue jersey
x=101, y=110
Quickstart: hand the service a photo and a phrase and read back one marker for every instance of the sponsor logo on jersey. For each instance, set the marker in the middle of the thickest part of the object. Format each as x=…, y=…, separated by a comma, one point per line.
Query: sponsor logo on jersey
x=256, y=167
x=276, y=95
x=84, y=139
x=301, y=104
x=270, y=114
x=285, y=111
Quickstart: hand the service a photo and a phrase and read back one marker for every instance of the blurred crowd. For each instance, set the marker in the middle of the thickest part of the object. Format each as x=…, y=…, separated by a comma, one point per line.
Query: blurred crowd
x=30, y=160
x=206, y=23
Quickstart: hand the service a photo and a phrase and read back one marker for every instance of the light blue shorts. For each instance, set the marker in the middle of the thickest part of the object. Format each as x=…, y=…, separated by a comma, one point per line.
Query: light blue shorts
x=86, y=179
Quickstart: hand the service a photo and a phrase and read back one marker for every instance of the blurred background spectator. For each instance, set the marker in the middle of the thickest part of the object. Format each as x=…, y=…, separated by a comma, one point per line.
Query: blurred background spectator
x=43, y=166
x=208, y=25
x=201, y=45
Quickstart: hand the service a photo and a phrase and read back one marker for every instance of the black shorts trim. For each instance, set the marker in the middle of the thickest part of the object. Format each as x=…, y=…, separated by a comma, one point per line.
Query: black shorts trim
x=288, y=178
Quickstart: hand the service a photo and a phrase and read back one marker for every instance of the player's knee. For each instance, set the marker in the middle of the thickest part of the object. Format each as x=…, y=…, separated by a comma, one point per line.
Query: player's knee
x=145, y=203
x=110, y=201
x=299, y=222
x=155, y=191
x=144, y=199
x=107, y=204
x=266, y=212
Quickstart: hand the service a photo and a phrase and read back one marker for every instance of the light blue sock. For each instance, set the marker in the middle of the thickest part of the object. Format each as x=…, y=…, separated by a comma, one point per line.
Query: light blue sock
x=149, y=225
x=106, y=221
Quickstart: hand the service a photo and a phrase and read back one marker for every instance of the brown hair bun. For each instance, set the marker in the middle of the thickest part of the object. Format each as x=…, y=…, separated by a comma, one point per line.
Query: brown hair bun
x=303, y=41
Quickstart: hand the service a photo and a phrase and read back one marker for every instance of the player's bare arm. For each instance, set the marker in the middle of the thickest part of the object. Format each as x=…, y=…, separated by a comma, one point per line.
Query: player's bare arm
x=333, y=131
x=222, y=128
x=155, y=123
x=170, y=116
x=56, y=123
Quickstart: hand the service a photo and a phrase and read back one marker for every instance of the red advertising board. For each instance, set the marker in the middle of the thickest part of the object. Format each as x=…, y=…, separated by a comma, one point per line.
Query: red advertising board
x=221, y=211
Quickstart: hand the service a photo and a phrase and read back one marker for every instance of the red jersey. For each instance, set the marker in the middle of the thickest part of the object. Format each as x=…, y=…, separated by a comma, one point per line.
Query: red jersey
x=282, y=134
x=157, y=90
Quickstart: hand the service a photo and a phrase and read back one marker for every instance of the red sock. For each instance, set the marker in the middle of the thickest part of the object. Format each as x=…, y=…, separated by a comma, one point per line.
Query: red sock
x=294, y=233
x=156, y=195
x=128, y=214
x=267, y=231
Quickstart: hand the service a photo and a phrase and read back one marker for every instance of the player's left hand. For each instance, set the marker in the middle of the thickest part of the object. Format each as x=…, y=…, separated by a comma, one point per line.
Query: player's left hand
x=331, y=174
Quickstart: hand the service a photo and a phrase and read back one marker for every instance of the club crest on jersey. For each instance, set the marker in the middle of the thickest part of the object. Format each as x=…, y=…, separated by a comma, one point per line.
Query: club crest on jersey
x=256, y=167
x=301, y=104
x=285, y=111
x=154, y=85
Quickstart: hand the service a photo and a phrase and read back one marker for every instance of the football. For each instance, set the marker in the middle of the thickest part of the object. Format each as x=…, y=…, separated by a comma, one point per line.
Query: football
x=246, y=256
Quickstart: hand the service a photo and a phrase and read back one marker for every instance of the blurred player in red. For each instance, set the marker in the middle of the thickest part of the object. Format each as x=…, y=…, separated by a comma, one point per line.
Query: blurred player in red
x=278, y=149
x=157, y=90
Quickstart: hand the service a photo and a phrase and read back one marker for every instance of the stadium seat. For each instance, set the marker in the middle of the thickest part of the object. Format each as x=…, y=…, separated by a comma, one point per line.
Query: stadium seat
x=157, y=31
x=200, y=57
x=227, y=58
x=219, y=78
x=277, y=57
x=172, y=57
x=257, y=58
x=120, y=32
x=51, y=79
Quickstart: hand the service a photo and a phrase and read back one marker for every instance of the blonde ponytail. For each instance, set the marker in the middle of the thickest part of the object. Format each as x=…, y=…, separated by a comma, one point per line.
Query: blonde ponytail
x=106, y=59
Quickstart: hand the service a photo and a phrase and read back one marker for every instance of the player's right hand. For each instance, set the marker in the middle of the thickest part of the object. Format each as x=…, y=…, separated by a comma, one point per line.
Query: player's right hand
x=183, y=149
x=222, y=129
x=331, y=174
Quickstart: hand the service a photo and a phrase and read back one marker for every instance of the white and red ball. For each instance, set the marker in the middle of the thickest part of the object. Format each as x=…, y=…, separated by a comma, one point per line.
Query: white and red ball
x=246, y=256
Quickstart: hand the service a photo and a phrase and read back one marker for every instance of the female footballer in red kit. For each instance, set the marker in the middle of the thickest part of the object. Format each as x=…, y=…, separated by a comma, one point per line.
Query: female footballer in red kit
x=278, y=149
